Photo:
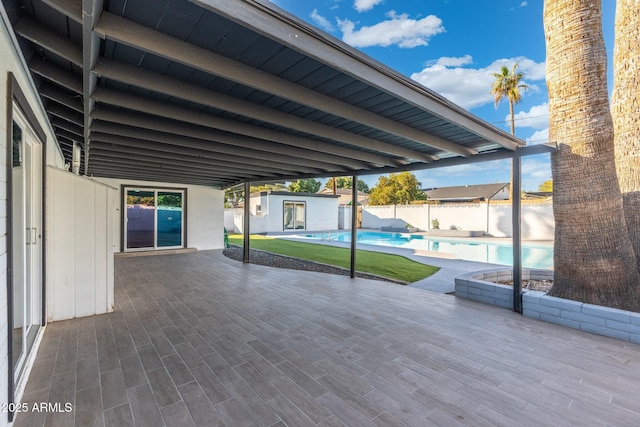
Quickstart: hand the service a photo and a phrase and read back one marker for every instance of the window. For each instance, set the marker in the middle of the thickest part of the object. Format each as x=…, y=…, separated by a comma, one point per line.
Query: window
x=294, y=215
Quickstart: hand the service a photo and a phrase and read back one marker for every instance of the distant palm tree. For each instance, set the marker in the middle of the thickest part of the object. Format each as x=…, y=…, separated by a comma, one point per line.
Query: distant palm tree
x=507, y=85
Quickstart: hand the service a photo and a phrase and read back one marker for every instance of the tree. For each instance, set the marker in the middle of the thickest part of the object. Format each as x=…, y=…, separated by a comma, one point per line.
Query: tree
x=233, y=197
x=592, y=250
x=305, y=186
x=268, y=188
x=507, y=85
x=397, y=188
x=546, y=186
x=347, y=182
x=625, y=111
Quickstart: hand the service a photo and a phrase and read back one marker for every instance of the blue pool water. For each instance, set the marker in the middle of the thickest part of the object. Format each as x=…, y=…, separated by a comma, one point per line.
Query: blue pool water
x=533, y=256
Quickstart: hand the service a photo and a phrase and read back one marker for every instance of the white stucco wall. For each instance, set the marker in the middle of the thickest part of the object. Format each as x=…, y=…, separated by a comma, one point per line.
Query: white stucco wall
x=205, y=212
x=537, y=218
x=321, y=213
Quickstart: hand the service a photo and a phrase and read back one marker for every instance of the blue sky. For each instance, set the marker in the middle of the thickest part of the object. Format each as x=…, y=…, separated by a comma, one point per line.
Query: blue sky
x=452, y=47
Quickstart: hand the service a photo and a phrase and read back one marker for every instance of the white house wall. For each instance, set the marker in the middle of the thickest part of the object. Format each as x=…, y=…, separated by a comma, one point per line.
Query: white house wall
x=321, y=213
x=12, y=61
x=79, y=246
x=205, y=212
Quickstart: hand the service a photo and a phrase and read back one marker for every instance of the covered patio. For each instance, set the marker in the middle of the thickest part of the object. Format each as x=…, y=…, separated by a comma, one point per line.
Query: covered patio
x=198, y=339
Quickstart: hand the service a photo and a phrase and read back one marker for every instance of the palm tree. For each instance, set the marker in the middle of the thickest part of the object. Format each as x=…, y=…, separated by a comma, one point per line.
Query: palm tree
x=592, y=250
x=507, y=85
x=626, y=114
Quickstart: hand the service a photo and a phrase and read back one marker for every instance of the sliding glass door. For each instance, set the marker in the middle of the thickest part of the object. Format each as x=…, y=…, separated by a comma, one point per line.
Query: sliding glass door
x=26, y=230
x=294, y=215
x=153, y=219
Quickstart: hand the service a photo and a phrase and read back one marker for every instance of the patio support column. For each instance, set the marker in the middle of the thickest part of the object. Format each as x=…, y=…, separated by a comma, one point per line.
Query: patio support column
x=245, y=218
x=516, y=239
x=354, y=223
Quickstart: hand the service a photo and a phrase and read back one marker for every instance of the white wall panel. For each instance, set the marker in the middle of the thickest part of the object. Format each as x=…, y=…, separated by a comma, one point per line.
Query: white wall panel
x=79, y=246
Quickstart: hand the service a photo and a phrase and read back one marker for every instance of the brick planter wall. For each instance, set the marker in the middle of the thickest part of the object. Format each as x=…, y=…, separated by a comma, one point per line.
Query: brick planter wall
x=610, y=322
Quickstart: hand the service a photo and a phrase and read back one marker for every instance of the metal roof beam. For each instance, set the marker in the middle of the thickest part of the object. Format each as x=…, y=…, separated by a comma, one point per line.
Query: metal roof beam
x=241, y=162
x=65, y=113
x=135, y=174
x=70, y=8
x=275, y=24
x=37, y=33
x=69, y=127
x=235, y=145
x=61, y=96
x=140, y=37
x=157, y=108
x=91, y=10
x=58, y=75
x=69, y=135
x=186, y=169
x=159, y=83
x=221, y=167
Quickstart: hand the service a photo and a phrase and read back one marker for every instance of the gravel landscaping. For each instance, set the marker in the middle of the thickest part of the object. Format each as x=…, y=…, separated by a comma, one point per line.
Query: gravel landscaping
x=280, y=261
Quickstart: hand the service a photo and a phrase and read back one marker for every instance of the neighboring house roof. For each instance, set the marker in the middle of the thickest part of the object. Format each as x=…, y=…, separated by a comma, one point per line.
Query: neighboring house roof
x=465, y=192
x=223, y=92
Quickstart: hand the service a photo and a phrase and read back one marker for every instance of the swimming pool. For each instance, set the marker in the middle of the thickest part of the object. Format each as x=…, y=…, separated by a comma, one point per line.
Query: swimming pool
x=533, y=256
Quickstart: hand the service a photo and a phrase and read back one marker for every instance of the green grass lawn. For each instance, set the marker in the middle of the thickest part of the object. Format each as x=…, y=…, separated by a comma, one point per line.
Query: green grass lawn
x=386, y=265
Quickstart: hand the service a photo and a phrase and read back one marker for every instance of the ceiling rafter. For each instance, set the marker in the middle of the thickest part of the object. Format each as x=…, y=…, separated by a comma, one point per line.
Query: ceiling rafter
x=157, y=108
x=211, y=162
x=155, y=82
x=273, y=161
x=225, y=142
x=132, y=34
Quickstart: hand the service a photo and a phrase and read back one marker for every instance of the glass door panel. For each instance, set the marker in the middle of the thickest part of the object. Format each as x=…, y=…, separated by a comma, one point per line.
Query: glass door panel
x=300, y=214
x=26, y=224
x=19, y=237
x=169, y=219
x=140, y=219
x=288, y=216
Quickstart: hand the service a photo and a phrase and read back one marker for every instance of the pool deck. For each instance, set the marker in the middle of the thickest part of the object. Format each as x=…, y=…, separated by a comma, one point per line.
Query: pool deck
x=441, y=282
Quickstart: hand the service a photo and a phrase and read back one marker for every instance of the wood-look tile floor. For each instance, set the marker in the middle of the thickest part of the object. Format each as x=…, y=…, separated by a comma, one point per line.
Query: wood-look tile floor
x=200, y=340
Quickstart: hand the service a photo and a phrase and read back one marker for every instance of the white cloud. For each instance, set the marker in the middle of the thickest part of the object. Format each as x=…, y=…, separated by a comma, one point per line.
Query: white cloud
x=449, y=61
x=536, y=169
x=469, y=87
x=364, y=5
x=397, y=30
x=321, y=21
x=537, y=117
x=539, y=137
x=523, y=4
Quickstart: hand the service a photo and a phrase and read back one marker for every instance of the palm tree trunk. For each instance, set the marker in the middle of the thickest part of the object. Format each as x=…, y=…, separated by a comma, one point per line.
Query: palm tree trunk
x=513, y=132
x=592, y=248
x=513, y=119
x=625, y=110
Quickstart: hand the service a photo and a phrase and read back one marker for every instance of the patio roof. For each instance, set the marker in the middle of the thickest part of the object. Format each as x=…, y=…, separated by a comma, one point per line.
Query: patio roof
x=222, y=92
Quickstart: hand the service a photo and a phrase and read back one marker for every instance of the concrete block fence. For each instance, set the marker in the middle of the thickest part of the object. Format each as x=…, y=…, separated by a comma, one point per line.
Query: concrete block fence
x=610, y=322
